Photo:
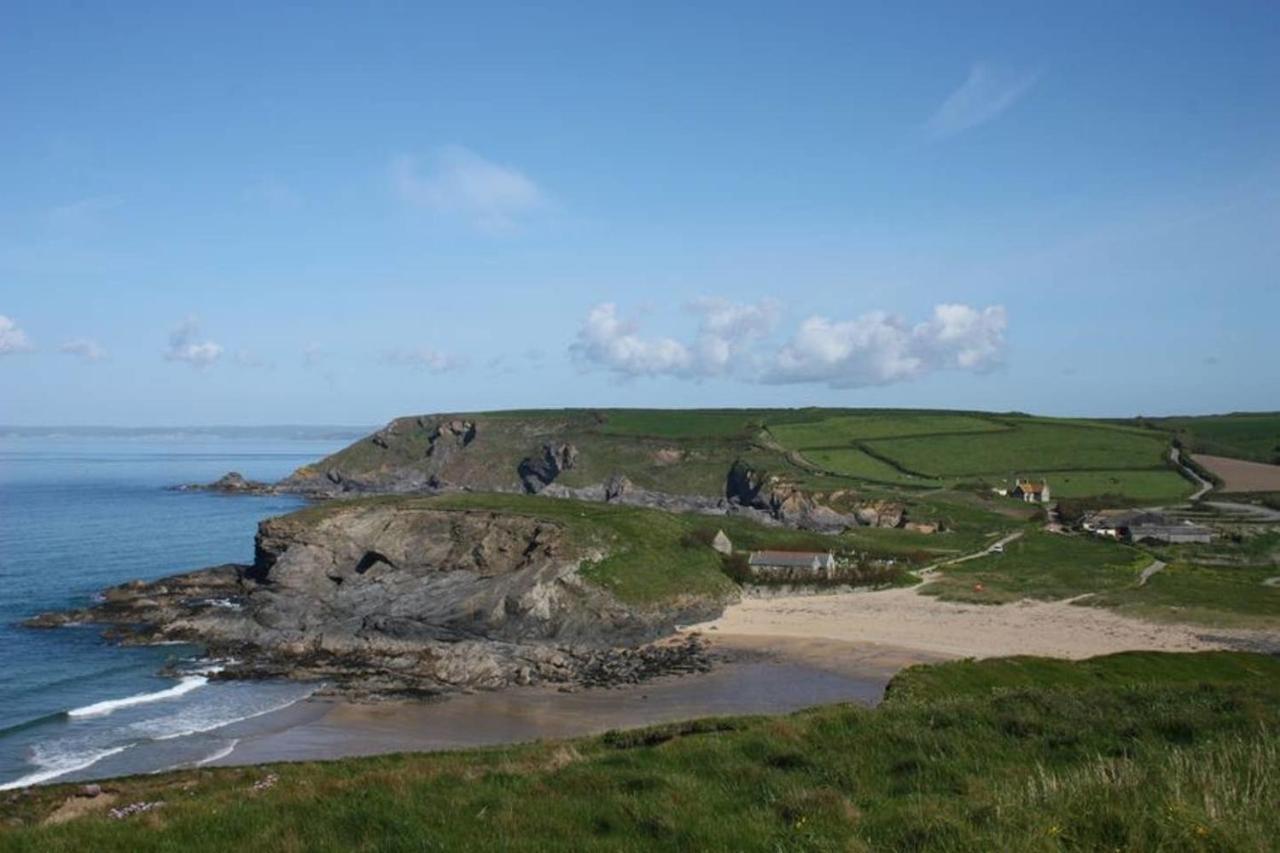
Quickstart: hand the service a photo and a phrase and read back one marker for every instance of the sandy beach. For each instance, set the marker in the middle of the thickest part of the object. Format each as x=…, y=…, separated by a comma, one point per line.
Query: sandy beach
x=926, y=626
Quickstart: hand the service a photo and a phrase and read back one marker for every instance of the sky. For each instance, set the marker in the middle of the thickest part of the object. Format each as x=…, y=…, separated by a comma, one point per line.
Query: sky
x=256, y=213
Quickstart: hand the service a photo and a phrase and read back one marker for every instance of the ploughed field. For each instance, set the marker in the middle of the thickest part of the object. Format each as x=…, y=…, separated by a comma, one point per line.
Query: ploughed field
x=1239, y=475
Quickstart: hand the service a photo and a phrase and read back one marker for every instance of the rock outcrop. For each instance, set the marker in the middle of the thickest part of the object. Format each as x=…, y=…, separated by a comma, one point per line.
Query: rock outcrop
x=745, y=486
x=538, y=472
x=378, y=597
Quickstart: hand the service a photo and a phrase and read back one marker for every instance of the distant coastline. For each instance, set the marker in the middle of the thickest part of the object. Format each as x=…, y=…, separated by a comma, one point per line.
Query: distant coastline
x=293, y=432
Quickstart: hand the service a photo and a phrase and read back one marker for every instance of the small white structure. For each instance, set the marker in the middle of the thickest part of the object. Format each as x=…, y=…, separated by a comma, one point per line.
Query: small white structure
x=794, y=564
x=721, y=543
x=1030, y=491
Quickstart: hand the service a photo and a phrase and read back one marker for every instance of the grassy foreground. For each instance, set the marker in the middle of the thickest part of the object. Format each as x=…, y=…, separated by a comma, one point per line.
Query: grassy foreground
x=1138, y=751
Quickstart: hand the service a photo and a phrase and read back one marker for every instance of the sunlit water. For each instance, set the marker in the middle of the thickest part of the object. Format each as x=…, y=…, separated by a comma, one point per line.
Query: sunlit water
x=78, y=515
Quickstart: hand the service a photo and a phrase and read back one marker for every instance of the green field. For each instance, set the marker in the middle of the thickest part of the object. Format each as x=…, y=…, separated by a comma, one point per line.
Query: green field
x=1127, y=752
x=1142, y=486
x=1248, y=435
x=852, y=462
x=1027, y=450
x=1042, y=566
x=846, y=429
x=1080, y=458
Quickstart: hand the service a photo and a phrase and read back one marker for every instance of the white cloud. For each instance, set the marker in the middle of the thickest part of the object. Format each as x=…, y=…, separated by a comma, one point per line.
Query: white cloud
x=985, y=94
x=731, y=339
x=425, y=358
x=12, y=338
x=879, y=348
x=461, y=183
x=725, y=329
x=183, y=345
x=86, y=349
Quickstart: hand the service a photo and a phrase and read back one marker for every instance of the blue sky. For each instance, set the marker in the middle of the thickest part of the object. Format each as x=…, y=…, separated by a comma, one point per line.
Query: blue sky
x=235, y=214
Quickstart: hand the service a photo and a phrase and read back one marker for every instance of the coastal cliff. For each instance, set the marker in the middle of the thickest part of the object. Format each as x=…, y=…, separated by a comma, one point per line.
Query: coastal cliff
x=395, y=595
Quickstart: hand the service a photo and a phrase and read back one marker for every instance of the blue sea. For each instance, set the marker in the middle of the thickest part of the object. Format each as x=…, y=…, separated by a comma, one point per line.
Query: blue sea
x=79, y=513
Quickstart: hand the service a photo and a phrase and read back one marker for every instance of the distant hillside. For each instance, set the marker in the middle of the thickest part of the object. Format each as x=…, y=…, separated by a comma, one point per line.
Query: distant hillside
x=711, y=453
x=1242, y=435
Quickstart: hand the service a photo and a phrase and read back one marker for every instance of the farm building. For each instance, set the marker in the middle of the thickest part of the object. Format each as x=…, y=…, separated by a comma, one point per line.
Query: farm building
x=1113, y=522
x=1031, y=491
x=1174, y=534
x=793, y=564
x=1136, y=525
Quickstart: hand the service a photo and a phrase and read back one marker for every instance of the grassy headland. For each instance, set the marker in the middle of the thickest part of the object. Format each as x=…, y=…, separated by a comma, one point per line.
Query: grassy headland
x=894, y=452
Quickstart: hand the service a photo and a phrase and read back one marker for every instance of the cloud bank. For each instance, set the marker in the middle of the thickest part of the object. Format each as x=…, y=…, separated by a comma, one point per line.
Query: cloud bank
x=462, y=183
x=184, y=347
x=725, y=330
x=985, y=94
x=877, y=348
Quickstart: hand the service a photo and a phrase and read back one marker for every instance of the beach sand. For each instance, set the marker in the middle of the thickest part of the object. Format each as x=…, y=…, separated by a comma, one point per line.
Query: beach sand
x=922, y=625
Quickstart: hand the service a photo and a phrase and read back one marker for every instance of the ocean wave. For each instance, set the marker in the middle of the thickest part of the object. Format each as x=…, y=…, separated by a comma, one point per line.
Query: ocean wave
x=62, y=766
x=186, y=685
x=221, y=753
x=188, y=726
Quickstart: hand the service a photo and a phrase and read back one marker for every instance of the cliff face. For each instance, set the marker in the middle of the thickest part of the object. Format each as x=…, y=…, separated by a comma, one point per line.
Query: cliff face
x=376, y=596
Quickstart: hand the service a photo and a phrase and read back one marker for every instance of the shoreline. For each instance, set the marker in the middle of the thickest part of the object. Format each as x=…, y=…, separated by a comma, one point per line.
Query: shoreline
x=777, y=675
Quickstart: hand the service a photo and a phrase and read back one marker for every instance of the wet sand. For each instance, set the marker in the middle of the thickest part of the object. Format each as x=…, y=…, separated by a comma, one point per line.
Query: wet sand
x=757, y=677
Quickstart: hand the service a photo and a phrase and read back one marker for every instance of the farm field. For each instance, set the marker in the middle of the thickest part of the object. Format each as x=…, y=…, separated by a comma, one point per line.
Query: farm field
x=1027, y=450
x=853, y=462
x=1252, y=435
x=1238, y=475
x=1153, y=485
x=841, y=431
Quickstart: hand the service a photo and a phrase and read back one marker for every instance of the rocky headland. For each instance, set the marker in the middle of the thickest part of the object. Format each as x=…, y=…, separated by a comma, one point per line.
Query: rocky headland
x=387, y=597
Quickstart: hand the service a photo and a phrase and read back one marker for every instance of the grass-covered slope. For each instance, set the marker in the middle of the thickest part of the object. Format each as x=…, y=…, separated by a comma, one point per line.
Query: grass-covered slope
x=1127, y=752
x=1242, y=435
x=689, y=452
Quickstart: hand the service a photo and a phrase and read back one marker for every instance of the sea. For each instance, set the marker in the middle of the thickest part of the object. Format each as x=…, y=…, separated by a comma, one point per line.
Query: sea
x=81, y=511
